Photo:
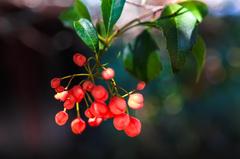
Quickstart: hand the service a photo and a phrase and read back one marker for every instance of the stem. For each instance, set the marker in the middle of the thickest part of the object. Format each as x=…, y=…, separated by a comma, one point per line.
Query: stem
x=89, y=98
x=77, y=108
x=69, y=82
x=74, y=75
x=129, y=93
x=114, y=85
x=86, y=102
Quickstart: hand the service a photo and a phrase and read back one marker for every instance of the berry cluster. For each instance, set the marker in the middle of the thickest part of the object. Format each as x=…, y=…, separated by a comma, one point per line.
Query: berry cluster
x=96, y=98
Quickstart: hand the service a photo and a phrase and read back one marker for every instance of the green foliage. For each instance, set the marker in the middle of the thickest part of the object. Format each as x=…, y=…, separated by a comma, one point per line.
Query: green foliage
x=199, y=52
x=74, y=13
x=178, y=25
x=141, y=58
x=87, y=33
x=111, y=12
x=197, y=8
x=178, y=22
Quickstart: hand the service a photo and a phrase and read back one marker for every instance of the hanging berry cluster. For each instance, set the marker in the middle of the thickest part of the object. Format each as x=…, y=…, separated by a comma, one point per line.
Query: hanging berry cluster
x=97, y=102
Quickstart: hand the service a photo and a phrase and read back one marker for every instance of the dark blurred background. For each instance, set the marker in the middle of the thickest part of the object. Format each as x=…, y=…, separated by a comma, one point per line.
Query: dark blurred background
x=181, y=119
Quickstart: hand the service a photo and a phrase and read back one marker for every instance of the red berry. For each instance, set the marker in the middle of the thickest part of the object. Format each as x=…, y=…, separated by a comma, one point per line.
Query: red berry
x=120, y=122
x=61, y=118
x=59, y=89
x=61, y=96
x=136, y=101
x=134, y=127
x=99, y=93
x=95, y=121
x=78, y=126
x=98, y=109
x=88, y=114
x=79, y=59
x=78, y=93
x=117, y=105
x=141, y=85
x=88, y=86
x=55, y=82
x=108, y=73
x=68, y=104
x=108, y=115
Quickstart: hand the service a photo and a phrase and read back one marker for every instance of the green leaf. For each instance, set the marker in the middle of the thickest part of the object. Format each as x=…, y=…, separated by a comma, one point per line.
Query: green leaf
x=87, y=33
x=81, y=10
x=198, y=9
x=199, y=53
x=111, y=12
x=74, y=13
x=179, y=28
x=141, y=58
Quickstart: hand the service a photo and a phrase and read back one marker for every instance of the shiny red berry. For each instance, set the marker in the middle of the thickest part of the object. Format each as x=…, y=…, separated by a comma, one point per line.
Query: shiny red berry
x=117, y=105
x=55, y=82
x=88, y=114
x=141, y=85
x=69, y=104
x=79, y=59
x=134, y=127
x=61, y=118
x=108, y=73
x=99, y=93
x=61, y=96
x=78, y=126
x=120, y=122
x=136, y=101
x=108, y=115
x=95, y=121
x=88, y=86
x=59, y=89
x=78, y=93
x=98, y=109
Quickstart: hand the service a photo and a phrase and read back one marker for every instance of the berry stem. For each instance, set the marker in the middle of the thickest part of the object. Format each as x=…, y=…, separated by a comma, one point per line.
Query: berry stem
x=64, y=109
x=114, y=85
x=129, y=93
x=75, y=75
x=69, y=82
x=109, y=88
x=89, y=98
x=86, y=102
x=77, y=108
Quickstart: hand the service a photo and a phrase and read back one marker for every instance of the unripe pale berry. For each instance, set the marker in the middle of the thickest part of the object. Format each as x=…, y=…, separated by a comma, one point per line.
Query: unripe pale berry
x=117, y=105
x=120, y=122
x=59, y=89
x=141, y=85
x=99, y=93
x=95, y=121
x=78, y=126
x=134, y=127
x=79, y=59
x=88, y=86
x=61, y=118
x=78, y=93
x=108, y=73
x=136, y=101
x=61, y=96
x=98, y=109
x=55, y=82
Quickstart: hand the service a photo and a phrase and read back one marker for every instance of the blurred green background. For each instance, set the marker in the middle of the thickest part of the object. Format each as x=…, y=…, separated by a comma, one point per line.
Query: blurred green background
x=181, y=118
